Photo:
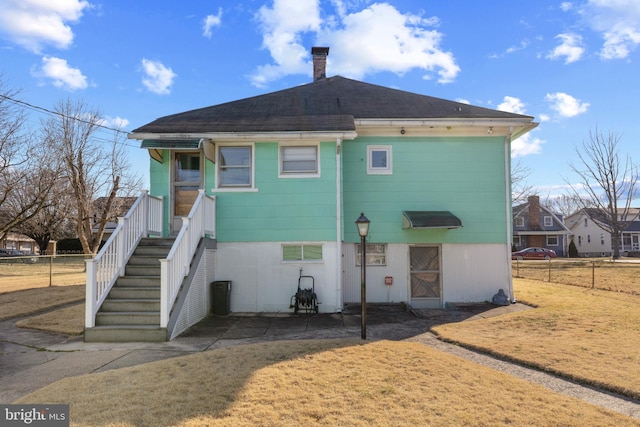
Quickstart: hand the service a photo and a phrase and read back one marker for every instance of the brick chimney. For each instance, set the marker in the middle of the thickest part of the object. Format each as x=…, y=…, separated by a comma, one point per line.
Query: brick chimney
x=319, y=62
x=534, y=212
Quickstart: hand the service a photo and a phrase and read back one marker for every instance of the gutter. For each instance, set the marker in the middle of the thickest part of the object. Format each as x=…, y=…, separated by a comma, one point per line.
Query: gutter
x=247, y=136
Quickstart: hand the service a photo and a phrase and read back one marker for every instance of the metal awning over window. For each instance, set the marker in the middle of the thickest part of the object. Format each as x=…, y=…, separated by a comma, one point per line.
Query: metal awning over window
x=430, y=219
x=156, y=146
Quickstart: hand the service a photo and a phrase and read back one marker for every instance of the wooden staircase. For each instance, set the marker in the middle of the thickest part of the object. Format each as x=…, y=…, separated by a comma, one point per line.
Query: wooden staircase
x=131, y=311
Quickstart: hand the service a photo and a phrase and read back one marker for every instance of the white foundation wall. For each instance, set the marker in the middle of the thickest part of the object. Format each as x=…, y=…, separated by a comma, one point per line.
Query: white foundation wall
x=262, y=282
x=469, y=273
x=475, y=272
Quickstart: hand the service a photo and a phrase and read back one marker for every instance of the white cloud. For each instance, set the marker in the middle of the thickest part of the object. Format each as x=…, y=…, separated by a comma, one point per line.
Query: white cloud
x=566, y=105
x=115, y=122
x=526, y=145
x=34, y=24
x=61, y=74
x=618, y=21
x=565, y=6
x=544, y=117
x=463, y=101
x=158, y=78
x=377, y=38
x=511, y=104
x=211, y=21
x=571, y=48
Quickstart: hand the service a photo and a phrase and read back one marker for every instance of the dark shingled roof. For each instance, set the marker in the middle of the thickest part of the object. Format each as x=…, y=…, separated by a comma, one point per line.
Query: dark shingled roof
x=329, y=104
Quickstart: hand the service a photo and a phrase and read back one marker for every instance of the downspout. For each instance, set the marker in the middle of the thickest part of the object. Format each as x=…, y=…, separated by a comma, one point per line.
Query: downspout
x=338, y=278
x=508, y=211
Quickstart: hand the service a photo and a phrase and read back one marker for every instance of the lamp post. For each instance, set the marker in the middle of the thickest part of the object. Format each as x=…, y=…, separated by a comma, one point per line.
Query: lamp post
x=363, y=229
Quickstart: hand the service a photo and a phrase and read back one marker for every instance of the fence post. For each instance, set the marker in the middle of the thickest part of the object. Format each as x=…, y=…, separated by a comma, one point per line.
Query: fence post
x=50, y=270
x=593, y=274
x=89, y=318
x=549, y=271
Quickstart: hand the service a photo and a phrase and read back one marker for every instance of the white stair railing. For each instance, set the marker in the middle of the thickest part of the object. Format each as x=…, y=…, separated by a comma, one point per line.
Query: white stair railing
x=200, y=222
x=143, y=219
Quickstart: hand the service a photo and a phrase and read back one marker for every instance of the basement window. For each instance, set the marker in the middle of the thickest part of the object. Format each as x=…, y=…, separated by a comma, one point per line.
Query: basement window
x=301, y=252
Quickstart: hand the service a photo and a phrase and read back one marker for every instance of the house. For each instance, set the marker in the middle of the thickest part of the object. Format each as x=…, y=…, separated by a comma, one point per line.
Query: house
x=286, y=174
x=535, y=225
x=592, y=238
x=19, y=242
x=119, y=206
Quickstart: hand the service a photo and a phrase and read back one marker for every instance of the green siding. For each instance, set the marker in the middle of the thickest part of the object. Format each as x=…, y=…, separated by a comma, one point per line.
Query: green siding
x=283, y=209
x=159, y=180
x=462, y=175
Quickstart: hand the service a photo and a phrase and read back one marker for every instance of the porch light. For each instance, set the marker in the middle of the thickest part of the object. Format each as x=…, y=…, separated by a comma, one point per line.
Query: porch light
x=363, y=229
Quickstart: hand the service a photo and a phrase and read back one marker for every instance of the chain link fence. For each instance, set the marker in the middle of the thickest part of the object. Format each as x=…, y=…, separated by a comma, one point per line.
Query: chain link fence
x=606, y=274
x=39, y=271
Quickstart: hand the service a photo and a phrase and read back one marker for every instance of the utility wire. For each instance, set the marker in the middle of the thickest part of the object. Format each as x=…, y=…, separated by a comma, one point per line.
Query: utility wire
x=46, y=110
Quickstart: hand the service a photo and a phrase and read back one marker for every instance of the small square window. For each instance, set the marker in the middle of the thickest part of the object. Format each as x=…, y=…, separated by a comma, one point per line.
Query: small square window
x=235, y=164
x=520, y=222
x=548, y=221
x=376, y=254
x=379, y=160
x=552, y=240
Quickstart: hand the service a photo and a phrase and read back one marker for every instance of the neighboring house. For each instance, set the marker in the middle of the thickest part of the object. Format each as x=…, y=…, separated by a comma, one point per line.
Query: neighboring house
x=590, y=235
x=292, y=170
x=20, y=242
x=535, y=225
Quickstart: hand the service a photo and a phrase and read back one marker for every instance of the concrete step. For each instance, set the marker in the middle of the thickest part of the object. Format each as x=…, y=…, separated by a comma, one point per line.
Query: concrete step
x=136, y=281
x=130, y=318
x=124, y=305
x=134, y=292
x=156, y=241
x=141, y=270
x=145, y=260
x=117, y=333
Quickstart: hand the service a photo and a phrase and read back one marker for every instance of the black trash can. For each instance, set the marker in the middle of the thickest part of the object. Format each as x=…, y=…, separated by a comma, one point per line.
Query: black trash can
x=221, y=297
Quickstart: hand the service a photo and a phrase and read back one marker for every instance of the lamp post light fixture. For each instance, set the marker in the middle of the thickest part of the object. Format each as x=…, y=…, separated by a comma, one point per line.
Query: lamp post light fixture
x=363, y=229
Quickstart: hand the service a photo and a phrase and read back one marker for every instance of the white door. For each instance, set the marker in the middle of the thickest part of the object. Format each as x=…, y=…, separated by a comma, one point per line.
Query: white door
x=424, y=277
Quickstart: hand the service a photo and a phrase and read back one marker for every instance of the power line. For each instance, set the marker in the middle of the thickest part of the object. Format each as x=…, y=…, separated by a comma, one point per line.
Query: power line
x=46, y=110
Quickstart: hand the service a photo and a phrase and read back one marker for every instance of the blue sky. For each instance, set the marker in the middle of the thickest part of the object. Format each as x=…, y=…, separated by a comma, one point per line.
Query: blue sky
x=571, y=65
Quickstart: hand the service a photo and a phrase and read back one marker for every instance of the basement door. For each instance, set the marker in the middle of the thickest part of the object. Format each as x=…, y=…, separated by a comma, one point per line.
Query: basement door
x=186, y=180
x=424, y=276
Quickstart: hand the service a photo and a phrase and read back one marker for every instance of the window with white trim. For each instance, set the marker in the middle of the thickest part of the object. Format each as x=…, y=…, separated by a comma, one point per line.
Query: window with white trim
x=235, y=166
x=301, y=252
x=379, y=160
x=519, y=221
x=299, y=160
x=376, y=254
x=552, y=240
x=548, y=221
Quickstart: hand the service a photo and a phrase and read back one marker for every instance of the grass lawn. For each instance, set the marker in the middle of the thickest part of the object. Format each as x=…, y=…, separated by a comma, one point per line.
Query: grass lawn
x=320, y=382
x=585, y=334
x=29, y=301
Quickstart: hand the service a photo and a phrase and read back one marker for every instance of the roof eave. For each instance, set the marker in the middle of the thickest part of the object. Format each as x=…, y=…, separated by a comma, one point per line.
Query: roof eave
x=248, y=136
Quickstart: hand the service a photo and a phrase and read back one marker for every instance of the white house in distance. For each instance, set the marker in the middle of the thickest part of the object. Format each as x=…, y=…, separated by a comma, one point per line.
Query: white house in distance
x=592, y=238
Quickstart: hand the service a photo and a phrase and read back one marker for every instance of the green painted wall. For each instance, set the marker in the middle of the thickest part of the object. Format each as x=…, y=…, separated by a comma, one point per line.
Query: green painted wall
x=159, y=181
x=462, y=175
x=283, y=209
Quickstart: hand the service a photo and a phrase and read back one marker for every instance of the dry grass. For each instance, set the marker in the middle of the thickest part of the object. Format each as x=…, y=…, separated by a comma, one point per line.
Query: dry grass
x=67, y=321
x=30, y=301
x=585, y=334
x=336, y=382
x=59, y=271
x=589, y=273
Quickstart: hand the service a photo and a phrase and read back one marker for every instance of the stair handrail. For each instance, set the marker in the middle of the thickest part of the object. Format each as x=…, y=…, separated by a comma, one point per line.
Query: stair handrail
x=143, y=218
x=199, y=223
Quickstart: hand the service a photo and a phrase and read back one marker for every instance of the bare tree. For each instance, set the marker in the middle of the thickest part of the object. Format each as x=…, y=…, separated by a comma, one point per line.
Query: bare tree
x=27, y=173
x=607, y=181
x=566, y=204
x=520, y=190
x=93, y=167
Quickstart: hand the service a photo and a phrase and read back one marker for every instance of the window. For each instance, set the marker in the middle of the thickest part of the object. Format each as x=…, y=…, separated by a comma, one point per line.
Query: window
x=552, y=240
x=299, y=161
x=516, y=241
x=520, y=221
x=379, y=160
x=548, y=221
x=376, y=254
x=579, y=240
x=235, y=167
x=602, y=239
x=585, y=222
x=302, y=252
x=588, y=238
